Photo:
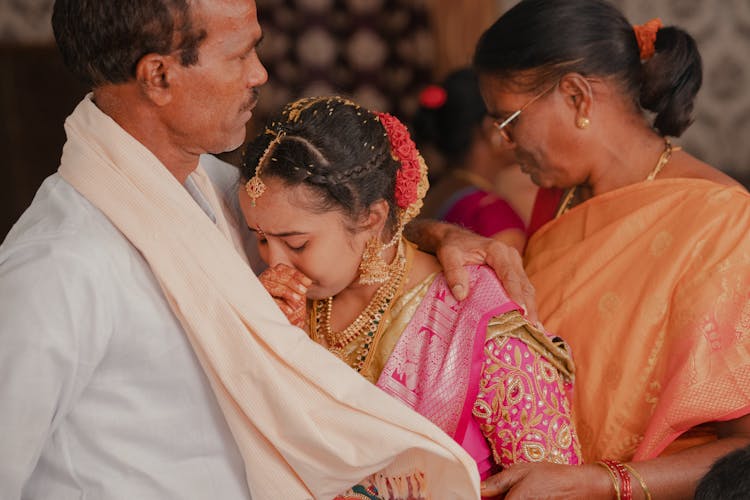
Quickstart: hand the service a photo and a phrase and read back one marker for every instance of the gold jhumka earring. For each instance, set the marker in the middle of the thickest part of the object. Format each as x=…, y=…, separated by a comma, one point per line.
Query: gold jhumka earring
x=373, y=269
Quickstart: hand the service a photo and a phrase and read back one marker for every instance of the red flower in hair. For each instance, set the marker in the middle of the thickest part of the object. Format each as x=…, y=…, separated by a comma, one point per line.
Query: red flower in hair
x=406, y=189
x=397, y=135
x=403, y=148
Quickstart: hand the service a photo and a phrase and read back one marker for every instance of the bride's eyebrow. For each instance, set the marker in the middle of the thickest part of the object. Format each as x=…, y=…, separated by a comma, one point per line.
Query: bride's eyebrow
x=277, y=235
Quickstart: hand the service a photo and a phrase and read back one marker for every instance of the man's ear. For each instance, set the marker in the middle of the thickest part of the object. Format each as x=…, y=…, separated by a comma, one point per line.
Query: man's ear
x=579, y=94
x=154, y=74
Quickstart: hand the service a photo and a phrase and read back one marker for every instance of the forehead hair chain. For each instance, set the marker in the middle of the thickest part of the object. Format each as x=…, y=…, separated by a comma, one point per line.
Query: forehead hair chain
x=255, y=187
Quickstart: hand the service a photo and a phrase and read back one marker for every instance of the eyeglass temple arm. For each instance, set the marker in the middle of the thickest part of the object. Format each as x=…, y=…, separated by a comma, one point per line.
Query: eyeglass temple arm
x=508, y=120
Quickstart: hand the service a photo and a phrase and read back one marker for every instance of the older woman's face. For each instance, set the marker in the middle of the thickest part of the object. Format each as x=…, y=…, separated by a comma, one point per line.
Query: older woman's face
x=539, y=136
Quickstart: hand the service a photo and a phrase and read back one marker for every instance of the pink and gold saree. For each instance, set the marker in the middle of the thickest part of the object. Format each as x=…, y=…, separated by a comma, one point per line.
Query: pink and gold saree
x=478, y=371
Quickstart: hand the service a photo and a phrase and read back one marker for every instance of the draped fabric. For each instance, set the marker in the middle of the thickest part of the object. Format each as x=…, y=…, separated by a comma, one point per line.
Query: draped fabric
x=306, y=424
x=435, y=366
x=650, y=286
x=455, y=363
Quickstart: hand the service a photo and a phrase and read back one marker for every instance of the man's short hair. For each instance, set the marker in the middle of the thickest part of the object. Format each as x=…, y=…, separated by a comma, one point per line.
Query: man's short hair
x=101, y=41
x=728, y=478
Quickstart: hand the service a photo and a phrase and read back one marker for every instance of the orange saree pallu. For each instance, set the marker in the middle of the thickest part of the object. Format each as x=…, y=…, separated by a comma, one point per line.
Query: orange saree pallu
x=650, y=286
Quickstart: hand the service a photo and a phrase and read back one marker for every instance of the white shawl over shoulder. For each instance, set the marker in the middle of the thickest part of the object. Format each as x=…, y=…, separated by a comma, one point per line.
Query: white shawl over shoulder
x=306, y=424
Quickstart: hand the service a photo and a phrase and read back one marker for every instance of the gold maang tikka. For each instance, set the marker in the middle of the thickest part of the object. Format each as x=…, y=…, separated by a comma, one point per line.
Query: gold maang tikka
x=255, y=187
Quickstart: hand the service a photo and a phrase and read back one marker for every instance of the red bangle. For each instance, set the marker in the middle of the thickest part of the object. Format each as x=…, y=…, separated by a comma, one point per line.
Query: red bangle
x=626, y=488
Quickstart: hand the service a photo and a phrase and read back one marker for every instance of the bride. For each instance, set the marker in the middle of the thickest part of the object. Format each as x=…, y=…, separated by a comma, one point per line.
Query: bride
x=328, y=189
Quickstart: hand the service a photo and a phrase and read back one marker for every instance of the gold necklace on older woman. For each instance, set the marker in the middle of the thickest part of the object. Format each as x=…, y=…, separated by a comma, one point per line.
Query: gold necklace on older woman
x=570, y=194
x=365, y=325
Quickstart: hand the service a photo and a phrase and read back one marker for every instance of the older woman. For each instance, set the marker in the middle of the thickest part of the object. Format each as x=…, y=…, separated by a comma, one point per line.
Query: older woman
x=644, y=266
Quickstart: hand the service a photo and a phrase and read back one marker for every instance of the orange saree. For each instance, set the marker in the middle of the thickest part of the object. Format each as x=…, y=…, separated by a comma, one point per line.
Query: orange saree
x=650, y=286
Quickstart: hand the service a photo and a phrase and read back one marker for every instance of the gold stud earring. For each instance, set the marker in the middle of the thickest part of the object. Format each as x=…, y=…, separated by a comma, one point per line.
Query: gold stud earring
x=583, y=122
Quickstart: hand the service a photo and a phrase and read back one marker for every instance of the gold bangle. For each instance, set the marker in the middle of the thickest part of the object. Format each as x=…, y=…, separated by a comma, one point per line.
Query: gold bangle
x=613, y=477
x=638, y=476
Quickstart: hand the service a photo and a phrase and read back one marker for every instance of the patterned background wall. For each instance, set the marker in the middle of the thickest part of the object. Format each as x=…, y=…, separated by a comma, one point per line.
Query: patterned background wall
x=329, y=37
x=379, y=52
x=721, y=132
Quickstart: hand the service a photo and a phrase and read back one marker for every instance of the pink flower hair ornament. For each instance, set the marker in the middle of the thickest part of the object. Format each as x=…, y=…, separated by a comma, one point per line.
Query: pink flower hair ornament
x=411, y=177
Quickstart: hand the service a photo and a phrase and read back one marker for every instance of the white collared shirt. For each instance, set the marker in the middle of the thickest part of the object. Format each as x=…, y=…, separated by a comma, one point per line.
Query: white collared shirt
x=101, y=396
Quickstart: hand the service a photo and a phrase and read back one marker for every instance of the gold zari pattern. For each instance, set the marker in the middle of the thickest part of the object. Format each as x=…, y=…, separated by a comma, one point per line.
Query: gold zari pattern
x=522, y=403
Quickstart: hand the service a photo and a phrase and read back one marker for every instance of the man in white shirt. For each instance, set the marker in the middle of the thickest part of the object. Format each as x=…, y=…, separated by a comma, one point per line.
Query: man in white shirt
x=101, y=395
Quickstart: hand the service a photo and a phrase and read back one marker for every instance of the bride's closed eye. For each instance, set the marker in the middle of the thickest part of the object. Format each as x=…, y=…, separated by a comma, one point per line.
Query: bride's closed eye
x=298, y=248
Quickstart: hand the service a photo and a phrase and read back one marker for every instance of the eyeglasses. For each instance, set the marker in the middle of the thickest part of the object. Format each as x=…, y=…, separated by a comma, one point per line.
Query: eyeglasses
x=501, y=126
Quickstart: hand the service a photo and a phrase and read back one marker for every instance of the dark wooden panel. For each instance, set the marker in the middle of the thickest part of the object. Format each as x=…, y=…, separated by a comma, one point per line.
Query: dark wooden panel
x=37, y=93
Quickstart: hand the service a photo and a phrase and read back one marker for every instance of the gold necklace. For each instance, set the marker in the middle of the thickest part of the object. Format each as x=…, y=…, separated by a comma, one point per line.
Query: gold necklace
x=664, y=158
x=366, y=324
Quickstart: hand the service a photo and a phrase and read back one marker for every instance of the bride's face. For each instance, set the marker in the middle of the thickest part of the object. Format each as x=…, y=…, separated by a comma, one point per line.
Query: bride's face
x=320, y=245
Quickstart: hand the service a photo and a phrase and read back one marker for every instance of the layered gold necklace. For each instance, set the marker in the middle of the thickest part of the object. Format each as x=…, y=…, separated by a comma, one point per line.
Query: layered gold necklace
x=570, y=195
x=365, y=325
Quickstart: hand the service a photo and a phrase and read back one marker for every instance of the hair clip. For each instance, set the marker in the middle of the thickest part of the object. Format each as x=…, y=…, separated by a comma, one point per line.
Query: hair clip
x=645, y=34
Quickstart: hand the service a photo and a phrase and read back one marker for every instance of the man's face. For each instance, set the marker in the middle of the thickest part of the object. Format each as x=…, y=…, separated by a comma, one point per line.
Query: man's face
x=213, y=99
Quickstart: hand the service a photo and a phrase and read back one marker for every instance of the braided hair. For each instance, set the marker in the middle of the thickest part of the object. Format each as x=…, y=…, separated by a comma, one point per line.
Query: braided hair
x=337, y=149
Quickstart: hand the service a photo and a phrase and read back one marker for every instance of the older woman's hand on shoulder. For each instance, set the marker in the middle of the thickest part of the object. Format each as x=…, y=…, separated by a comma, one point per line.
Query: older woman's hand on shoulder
x=457, y=247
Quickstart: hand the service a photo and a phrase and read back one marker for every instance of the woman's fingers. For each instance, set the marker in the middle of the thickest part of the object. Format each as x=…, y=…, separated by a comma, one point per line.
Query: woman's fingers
x=461, y=247
x=455, y=273
x=501, y=482
x=285, y=282
x=508, y=265
x=288, y=287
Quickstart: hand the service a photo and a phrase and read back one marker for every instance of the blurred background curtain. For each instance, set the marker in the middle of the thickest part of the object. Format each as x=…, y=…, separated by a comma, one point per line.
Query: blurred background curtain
x=457, y=25
x=378, y=52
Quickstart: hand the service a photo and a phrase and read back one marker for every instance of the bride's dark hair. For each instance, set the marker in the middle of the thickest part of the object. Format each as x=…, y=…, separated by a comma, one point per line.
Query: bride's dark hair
x=333, y=146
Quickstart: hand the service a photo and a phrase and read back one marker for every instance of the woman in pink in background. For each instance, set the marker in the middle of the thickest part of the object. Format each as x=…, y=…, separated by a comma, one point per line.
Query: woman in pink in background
x=329, y=188
x=480, y=186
